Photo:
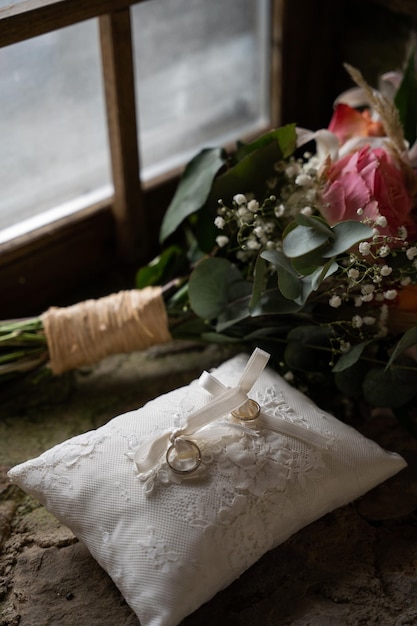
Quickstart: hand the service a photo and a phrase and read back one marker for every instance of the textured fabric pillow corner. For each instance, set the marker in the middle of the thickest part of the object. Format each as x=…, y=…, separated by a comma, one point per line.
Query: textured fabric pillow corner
x=170, y=542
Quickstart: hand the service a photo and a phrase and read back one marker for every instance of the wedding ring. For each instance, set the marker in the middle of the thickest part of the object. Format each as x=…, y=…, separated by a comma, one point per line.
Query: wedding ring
x=248, y=411
x=183, y=458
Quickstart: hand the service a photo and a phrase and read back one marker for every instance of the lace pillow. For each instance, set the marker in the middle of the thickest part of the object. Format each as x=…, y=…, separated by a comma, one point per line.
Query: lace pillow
x=176, y=499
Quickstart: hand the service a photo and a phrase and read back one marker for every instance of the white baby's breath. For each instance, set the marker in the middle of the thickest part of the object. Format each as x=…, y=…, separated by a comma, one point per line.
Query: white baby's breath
x=222, y=241
x=390, y=294
x=365, y=248
x=335, y=301
x=239, y=199
x=411, y=253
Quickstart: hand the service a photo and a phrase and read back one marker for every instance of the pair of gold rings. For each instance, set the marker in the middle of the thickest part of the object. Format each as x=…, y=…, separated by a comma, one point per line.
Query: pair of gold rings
x=189, y=459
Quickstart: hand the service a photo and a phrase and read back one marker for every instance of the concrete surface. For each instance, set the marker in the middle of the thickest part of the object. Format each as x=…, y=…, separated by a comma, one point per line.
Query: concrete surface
x=356, y=566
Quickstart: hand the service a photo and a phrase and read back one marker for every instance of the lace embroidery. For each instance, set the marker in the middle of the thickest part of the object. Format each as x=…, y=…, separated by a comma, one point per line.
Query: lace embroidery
x=274, y=403
x=244, y=481
x=158, y=552
x=47, y=468
x=249, y=461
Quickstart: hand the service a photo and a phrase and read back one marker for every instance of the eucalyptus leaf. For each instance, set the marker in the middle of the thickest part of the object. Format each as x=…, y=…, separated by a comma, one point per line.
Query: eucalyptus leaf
x=310, y=334
x=193, y=189
x=308, y=348
x=190, y=328
x=214, y=286
x=408, y=340
x=350, y=358
x=236, y=310
x=259, y=281
x=316, y=223
x=208, y=287
x=390, y=388
x=237, y=307
x=272, y=302
x=312, y=282
x=288, y=278
x=308, y=263
x=302, y=240
x=322, y=273
x=349, y=381
x=215, y=337
x=346, y=234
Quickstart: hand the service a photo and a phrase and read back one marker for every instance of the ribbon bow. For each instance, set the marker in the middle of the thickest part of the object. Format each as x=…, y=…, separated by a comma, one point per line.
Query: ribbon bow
x=177, y=444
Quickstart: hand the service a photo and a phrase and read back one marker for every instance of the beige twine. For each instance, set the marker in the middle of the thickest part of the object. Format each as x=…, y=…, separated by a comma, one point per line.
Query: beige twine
x=84, y=333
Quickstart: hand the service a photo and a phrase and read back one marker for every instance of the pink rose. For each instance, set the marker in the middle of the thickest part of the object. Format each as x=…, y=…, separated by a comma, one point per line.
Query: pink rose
x=367, y=184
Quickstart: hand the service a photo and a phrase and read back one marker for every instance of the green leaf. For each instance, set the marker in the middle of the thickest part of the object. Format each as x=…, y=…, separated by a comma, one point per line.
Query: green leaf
x=259, y=281
x=308, y=348
x=169, y=264
x=190, y=329
x=193, y=189
x=308, y=263
x=322, y=273
x=272, y=302
x=392, y=387
x=405, y=100
x=214, y=287
x=350, y=380
x=302, y=240
x=234, y=312
x=408, y=339
x=316, y=223
x=312, y=282
x=288, y=279
x=219, y=338
x=285, y=137
x=350, y=358
x=346, y=234
x=204, y=229
x=237, y=308
x=256, y=164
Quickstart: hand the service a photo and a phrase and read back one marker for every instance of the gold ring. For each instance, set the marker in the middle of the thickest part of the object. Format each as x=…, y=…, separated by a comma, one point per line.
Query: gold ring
x=186, y=461
x=248, y=411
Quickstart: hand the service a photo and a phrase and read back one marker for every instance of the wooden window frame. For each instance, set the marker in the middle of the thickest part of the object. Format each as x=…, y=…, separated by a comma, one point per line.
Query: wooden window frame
x=77, y=256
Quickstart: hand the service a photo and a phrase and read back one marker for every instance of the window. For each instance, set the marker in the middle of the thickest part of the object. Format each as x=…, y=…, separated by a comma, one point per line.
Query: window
x=53, y=128
x=101, y=105
x=202, y=76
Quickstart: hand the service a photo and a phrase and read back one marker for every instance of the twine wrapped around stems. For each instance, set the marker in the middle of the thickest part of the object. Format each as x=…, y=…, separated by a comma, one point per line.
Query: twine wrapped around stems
x=84, y=333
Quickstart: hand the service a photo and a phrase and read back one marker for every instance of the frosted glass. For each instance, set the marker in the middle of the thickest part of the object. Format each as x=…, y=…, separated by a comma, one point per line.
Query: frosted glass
x=8, y=3
x=53, y=130
x=202, y=73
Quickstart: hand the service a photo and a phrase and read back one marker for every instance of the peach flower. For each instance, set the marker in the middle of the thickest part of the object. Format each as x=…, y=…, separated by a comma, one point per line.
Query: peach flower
x=348, y=122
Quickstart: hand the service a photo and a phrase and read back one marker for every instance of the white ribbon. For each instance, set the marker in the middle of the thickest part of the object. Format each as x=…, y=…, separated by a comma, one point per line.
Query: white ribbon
x=271, y=422
x=149, y=454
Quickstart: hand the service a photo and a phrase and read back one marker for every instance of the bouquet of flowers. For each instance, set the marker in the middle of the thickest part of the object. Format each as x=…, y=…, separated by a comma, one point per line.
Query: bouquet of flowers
x=303, y=243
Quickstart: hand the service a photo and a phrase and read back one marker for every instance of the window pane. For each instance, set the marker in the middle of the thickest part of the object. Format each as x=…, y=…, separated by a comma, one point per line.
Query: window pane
x=202, y=73
x=8, y=3
x=52, y=124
